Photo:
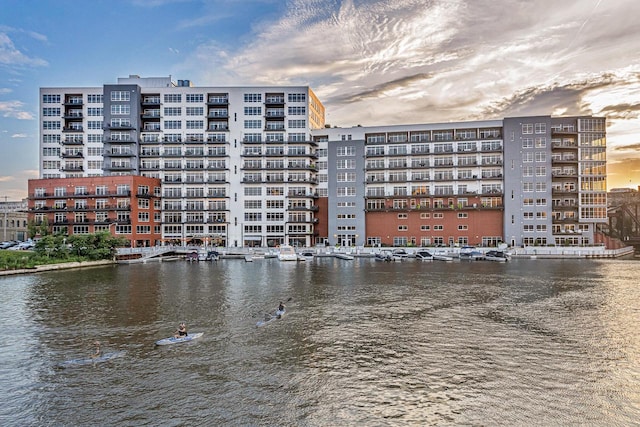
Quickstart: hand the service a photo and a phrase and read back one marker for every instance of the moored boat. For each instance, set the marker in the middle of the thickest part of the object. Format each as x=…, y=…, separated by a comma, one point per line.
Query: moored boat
x=497, y=256
x=287, y=253
x=424, y=255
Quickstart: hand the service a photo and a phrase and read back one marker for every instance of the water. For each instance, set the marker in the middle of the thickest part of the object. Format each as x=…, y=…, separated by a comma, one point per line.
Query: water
x=529, y=342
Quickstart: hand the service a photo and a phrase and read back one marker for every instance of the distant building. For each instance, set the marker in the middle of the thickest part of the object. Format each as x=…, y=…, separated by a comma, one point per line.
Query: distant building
x=256, y=166
x=14, y=220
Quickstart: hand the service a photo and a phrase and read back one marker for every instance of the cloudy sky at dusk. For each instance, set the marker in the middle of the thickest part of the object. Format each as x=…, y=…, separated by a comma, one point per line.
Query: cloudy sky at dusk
x=370, y=62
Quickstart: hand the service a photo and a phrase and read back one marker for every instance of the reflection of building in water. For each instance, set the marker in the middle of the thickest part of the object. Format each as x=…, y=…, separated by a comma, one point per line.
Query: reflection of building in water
x=14, y=220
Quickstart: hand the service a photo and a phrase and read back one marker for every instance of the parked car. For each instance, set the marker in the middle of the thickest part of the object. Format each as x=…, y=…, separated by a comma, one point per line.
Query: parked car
x=23, y=246
x=8, y=244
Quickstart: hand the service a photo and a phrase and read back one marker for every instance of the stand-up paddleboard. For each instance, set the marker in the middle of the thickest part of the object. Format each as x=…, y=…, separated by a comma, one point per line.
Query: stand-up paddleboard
x=90, y=360
x=277, y=315
x=174, y=340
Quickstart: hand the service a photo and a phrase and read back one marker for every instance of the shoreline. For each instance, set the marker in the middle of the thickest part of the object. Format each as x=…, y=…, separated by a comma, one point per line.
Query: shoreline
x=537, y=253
x=53, y=267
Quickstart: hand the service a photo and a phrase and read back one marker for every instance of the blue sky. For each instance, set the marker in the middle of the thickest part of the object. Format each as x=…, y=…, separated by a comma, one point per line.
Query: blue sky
x=372, y=62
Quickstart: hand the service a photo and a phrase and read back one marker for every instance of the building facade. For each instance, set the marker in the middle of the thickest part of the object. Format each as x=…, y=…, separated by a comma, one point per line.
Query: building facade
x=14, y=220
x=126, y=206
x=256, y=166
x=237, y=164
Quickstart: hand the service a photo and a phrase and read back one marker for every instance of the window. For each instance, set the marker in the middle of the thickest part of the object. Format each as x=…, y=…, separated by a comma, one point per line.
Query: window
x=527, y=128
x=172, y=97
x=346, y=191
x=252, y=97
x=51, y=99
x=541, y=156
x=194, y=97
x=541, y=128
x=120, y=109
x=195, y=124
x=172, y=124
x=297, y=97
x=297, y=111
x=94, y=111
x=120, y=95
x=51, y=125
x=252, y=111
x=51, y=111
x=403, y=228
x=346, y=164
x=172, y=111
x=95, y=98
x=195, y=111
x=297, y=124
x=346, y=151
x=252, y=124
x=541, y=142
x=527, y=142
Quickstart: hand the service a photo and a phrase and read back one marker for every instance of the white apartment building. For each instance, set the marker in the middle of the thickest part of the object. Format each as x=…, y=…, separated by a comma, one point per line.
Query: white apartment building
x=237, y=164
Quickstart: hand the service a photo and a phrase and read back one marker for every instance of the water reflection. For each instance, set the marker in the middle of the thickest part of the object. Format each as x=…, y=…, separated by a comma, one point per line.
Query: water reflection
x=363, y=343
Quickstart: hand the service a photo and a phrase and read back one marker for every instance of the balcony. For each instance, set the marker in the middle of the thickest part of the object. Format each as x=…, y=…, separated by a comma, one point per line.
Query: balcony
x=72, y=168
x=72, y=129
x=217, y=100
x=72, y=154
x=150, y=100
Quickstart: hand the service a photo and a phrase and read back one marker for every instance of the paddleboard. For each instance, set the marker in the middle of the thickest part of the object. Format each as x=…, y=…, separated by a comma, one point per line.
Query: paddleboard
x=90, y=360
x=277, y=315
x=174, y=340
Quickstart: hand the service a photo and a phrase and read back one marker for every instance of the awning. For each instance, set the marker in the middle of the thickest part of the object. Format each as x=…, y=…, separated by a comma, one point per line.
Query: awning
x=253, y=238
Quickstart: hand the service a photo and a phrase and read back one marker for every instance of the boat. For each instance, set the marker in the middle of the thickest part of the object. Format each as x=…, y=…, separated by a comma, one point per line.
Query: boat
x=174, y=340
x=400, y=253
x=423, y=255
x=439, y=256
x=287, y=253
x=344, y=256
x=271, y=317
x=383, y=256
x=306, y=256
x=90, y=360
x=387, y=255
x=497, y=256
x=470, y=253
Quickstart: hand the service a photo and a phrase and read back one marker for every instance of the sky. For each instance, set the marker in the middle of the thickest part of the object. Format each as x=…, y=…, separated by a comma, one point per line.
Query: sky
x=371, y=62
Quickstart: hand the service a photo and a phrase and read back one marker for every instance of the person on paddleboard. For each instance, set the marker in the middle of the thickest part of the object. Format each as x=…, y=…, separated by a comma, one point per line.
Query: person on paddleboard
x=281, y=306
x=98, y=351
x=181, y=332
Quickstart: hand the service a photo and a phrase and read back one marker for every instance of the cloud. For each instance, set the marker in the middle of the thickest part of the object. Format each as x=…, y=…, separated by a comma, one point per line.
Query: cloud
x=6, y=178
x=445, y=60
x=15, y=109
x=172, y=50
x=12, y=57
x=19, y=135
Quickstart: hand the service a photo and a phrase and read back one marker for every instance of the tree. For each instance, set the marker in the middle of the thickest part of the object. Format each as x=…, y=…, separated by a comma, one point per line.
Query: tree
x=34, y=229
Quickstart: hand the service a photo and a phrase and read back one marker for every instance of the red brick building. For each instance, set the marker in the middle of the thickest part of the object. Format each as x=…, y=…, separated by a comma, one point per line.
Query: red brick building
x=436, y=221
x=126, y=206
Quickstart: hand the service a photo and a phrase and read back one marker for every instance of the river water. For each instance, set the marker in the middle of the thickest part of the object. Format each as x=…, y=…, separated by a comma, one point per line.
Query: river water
x=529, y=342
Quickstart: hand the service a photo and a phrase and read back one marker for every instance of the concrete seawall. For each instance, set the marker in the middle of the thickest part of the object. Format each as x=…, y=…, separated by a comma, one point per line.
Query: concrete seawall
x=53, y=267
